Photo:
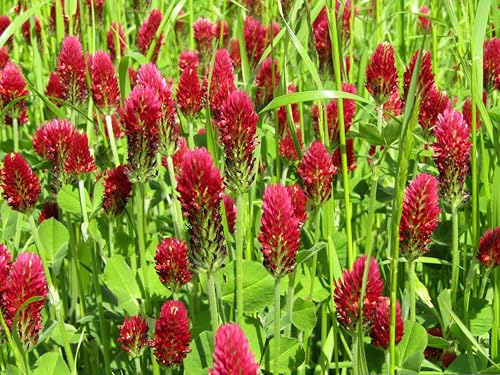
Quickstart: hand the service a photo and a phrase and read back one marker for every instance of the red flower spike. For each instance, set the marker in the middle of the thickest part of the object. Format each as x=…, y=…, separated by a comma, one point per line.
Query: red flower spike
x=230, y=208
x=4, y=57
x=52, y=141
x=452, y=155
x=50, y=210
x=447, y=358
x=420, y=216
x=115, y=34
x=489, y=248
x=201, y=191
x=234, y=52
x=222, y=83
x=430, y=353
x=71, y=70
x=180, y=22
x=105, y=89
x=435, y=103
x=13, y=89
x=5, y=267
x=79, y=160
x=232, y=353
x=147, y=33
x=393, y=106
x=149, y=75
x=188, y=59
x=351, y=159
x=179, y=154
x=322, y=40
x=282, y=113
x=133, y=335
x=190, y=94
x=27, y=29
x=254, y=7
x=266, y=81
x=54, y=90
x=225, y=32
x=21, y=186
x=172, y=335
x=345, y=30
x=279, y=231
x=287, y=146
x=316, y=170
x=204, y=33
x=381, y=73
x=381, y=323
x=425, y=76
x=98, y=6
x=26, y=280
x=171, y=263
x=140, y=116
x=491, y=64
x=299, y=202
x=425, y=18
x=4, y=23
x=348, y=291
x=237, y=135
x=255, y=35
x=467, y=113
x=117, y=190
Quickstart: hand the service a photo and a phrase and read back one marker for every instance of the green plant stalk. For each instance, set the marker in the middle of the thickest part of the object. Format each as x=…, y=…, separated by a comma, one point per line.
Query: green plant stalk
x=277, y=325
x=495, y=332
x=289, y=301
x=19, y=225
x=191, y=21
x=177, y=217
x=102, y=320
x=190, y=132
x=413, y=301
x=83, y=206
x=455, y=254
x=240, y=238
x=345, y=178
x=111, y=237
x=137, y=363
x=314, y=264
x=15, y=133
x=20, y=355
x=484, y=282
x=142, y=241
x=212, y=301
x=378, y=21
x=112, y=139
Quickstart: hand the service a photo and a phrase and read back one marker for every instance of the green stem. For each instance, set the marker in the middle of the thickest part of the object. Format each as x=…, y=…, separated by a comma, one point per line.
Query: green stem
x=413, y=301
x=484, y=282
x=83, y=206
x=137, y=363
x=345, y=179
x=212, y=301
x=111, y=237
x=191, y=21
x=15, y=133
x=240, y=237
x=177, y=215
x=277, y=325
x=455, y=255
x=142, y=242
x=190, y=132
x=289, y=302
x=495, y=332
x=314, y=266
x=112, y=140
x=19, y=225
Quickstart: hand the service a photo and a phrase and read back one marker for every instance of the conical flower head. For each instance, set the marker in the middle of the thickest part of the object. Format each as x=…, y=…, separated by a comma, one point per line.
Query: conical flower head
x=425, y=18
x=322, y=40
x=316, y=170
x=234, y=51
x=491, y=64
x=254, y=33
x=425, y=76
x=26, y=280
x=201, y=190
x=4, y=57
x=54, y=90
x=467, y=112
x=435, y=103
x=351, y=158
x=188, y=59
x=172, y=335
x=232, y=353
x=279, y=231
x=266, y=82
x=348, y=292
x=71, y=70
x=221, y=30
x=420, y=216
x=452, y=155
x=381, y=73
x=140, y=117
x=204, y=33
x=381, y=323
x=489, y=248
x=21, y=186
x=105, y=90
x=190, y=93
x=133, y=335
x=5, y=267
x=49, y=210
x=147, y=33
x=79, y=160
x=13, y=90
x=117, y=190
x=171, y=263
x=53, y=140
x=168, y=131
x=222, y=83
x=116, y=37
x=299, y=202
x=231, y=211
x=237, y=135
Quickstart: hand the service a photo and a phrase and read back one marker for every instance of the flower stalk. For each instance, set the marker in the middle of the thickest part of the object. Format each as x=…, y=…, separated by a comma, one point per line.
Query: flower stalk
x=112, y=140
x=140, y=207
x=277, y=323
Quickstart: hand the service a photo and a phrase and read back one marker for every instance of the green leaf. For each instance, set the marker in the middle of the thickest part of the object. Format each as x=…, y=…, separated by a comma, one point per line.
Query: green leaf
x=200, y=357
x=55, y=240
x=414, y=342
x=304, y=314
x=51, y=364
x=290, y=357
x=258, y=286
x=437, y=342
x=444, y=300
x=68, y=199
x=9, y=222
x=71, y=333
x=255, y=334
x=369, y=133
x=480, y=314
x=120, y=279
x=306, y=254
